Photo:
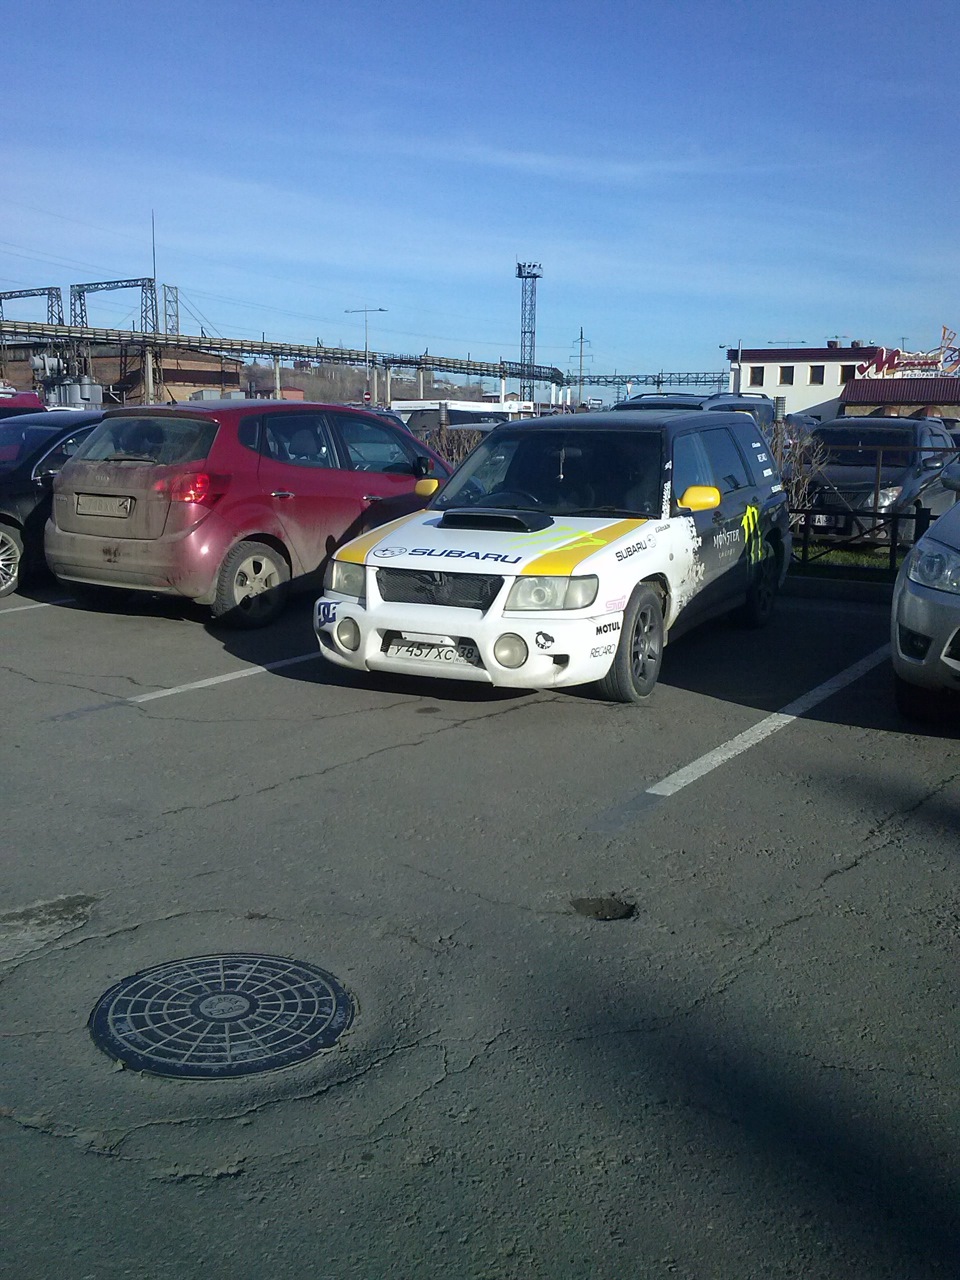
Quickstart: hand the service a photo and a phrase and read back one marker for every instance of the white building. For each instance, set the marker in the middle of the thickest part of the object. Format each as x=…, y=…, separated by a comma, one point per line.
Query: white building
x=810, y=379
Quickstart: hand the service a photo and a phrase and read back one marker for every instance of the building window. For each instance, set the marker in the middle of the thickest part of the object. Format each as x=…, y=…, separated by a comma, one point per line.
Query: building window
x=816, y=375
x=786, y=375
x=847, y=372
x=756, y=375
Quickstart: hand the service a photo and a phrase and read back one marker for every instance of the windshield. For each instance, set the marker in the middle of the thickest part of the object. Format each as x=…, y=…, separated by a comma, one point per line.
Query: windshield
x=863, y=446
x=563, y=472
x=166, y=440
x=19, y=442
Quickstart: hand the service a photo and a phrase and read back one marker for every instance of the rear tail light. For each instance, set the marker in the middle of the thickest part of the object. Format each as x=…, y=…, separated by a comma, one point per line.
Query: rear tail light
x=194, y=486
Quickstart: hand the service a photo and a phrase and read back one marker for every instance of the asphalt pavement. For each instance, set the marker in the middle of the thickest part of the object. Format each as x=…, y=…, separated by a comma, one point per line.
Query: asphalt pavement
x=754, y=1073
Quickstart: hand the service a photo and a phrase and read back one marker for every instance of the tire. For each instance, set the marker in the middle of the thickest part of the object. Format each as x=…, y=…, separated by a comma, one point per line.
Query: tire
x=757, y=609
x=90, y=596
x=252, y=586
x=917, y=703
x=11, y=557
x=636, y=664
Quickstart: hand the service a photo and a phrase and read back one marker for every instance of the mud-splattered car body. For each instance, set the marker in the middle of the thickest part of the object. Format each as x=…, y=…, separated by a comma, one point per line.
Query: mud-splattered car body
x=526, y=568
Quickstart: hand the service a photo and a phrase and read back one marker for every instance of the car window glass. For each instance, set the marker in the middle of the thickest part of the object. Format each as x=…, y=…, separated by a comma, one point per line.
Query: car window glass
x=729, y=470
x=166, y=440
x=297, y=438
x=373, y=446
x=690, y=464
x=55, y=459
x=18, y=443
x=248, y=433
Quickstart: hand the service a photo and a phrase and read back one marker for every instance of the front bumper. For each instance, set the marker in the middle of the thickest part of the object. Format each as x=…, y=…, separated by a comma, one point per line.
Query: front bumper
x=925, y=635
x=562, y=650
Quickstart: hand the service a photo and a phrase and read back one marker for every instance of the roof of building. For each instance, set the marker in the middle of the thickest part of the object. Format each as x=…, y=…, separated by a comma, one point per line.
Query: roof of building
x=942, y=390
x=814, y=355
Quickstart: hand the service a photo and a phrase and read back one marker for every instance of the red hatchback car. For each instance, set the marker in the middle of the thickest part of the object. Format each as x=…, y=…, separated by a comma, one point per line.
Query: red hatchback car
x=225, y=502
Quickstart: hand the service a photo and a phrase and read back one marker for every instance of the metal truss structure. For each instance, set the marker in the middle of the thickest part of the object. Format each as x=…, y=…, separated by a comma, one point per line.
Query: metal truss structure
x=171, y=308
x=529, y=273
x=51, y=292
x=148, y=301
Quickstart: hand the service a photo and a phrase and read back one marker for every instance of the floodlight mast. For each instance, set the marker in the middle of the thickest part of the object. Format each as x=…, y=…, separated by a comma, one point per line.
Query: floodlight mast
x=529, y=273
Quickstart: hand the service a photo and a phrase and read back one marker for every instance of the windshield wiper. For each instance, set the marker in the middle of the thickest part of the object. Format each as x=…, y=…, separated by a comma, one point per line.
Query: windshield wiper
x=604, y=511
x=131, y=457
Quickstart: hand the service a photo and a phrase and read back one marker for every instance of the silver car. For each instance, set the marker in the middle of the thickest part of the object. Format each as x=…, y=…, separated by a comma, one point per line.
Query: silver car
x=925, y=620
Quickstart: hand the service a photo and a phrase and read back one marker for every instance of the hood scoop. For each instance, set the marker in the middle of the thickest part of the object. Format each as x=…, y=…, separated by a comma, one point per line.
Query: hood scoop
x=503, y=519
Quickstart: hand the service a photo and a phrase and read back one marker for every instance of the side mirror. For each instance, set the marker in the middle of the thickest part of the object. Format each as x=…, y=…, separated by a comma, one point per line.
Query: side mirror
x=45, y=479
x=932, y=462
x=700, y=497
x=426, y=488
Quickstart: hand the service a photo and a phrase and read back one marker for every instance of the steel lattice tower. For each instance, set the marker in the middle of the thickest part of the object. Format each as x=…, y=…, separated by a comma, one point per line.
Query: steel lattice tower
x=529, y=273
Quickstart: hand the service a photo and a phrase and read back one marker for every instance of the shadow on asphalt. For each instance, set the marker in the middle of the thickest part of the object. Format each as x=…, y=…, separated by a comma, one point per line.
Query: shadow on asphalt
x=812, y=1141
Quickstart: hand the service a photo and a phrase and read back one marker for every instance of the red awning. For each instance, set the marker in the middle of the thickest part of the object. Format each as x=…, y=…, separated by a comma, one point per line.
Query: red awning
x=943, y=390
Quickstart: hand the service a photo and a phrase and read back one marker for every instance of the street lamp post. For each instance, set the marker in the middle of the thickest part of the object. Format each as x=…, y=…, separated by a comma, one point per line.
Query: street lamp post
x=355, y=311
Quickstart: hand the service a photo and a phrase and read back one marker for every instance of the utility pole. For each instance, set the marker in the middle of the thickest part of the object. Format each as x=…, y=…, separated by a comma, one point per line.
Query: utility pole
x=355, y=311
x=580, y=380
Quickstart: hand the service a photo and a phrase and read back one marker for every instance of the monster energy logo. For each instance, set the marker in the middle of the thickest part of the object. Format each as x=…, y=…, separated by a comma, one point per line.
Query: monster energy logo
x=750, y=524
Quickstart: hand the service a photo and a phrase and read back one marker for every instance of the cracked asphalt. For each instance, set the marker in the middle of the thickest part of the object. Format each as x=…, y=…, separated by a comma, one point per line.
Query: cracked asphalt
x=755, y=1075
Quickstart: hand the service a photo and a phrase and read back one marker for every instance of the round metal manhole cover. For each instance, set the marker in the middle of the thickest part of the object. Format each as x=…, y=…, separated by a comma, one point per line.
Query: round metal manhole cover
x=207, y=1017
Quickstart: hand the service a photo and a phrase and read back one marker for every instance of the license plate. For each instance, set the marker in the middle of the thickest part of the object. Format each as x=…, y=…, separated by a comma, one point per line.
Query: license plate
x=98, y=504
x=825, y=522
x=462, y=654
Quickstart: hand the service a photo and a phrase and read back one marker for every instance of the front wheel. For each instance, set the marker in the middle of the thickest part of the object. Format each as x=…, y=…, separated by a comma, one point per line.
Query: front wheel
x=11, y=555
x=636, y=664
x=252, y=586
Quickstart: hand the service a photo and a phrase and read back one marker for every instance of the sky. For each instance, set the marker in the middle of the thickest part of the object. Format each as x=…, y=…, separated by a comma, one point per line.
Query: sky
x=688, y=175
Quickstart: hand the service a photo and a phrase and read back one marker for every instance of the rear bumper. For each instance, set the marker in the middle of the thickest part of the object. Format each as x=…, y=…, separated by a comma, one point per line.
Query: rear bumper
x=184, y=566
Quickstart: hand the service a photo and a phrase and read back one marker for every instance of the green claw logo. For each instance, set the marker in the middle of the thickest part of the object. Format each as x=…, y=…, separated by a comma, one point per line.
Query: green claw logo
x=750, y=524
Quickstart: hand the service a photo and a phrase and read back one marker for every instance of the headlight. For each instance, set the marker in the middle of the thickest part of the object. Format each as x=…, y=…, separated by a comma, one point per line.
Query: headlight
x=887, y=497
x=552, y=593
x=345, y=578
x=933, y=565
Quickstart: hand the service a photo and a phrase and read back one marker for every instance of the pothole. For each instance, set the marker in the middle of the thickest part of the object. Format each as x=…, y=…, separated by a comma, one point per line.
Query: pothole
x=211, y=1017
x=608, y=908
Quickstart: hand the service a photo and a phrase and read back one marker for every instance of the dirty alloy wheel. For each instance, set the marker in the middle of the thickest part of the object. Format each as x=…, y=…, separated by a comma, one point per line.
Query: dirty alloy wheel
x=11, y=554
x=636, y=664
x=252, y=586
x=757, y=610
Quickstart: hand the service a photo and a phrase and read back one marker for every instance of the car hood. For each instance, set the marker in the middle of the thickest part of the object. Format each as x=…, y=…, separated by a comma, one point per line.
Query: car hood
x=426, y=540
x=947, y=528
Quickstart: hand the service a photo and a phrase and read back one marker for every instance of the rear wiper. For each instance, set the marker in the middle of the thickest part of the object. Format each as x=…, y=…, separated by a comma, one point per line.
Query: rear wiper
x=131, y=457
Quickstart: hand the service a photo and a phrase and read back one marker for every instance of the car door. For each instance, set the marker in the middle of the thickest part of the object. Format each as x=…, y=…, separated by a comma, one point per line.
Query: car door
x=934, y=460
x=736, y=521
x=300, y=476
x=38, y=507
x=381, y=465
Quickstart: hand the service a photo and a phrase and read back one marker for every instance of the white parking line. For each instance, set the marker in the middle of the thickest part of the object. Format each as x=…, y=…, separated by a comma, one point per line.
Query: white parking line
x=231, y=675
x=22, y=608
x=616, y=818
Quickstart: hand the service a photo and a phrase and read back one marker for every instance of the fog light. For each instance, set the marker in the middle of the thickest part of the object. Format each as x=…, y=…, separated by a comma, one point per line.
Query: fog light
x=913, y=644
x=348, y=633
x=510, y=651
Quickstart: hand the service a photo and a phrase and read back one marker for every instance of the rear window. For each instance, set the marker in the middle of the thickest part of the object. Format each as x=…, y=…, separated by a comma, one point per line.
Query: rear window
x=167, y=441
x=18, y=442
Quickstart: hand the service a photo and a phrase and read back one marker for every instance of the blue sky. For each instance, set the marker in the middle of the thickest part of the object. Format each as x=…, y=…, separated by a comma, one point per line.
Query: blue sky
x=689, y=175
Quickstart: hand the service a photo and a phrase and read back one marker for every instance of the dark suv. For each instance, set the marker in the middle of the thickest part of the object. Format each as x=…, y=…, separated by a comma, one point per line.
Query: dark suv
x=873, y=469
x=226, y=502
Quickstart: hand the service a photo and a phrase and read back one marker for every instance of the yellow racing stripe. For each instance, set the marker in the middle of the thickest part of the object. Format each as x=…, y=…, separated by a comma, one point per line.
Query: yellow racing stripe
x=356, y=552
x=562, y=560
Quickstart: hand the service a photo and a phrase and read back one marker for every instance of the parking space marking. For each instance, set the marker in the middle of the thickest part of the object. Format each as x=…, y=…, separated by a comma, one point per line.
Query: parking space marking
x=45, y=604
x=231, y=675
x=618, y=817
x=138, y=698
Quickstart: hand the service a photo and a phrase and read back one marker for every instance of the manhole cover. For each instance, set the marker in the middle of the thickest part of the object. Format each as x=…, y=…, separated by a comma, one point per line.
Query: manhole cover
x=211, y=1016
